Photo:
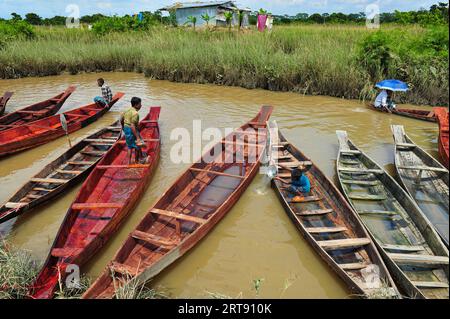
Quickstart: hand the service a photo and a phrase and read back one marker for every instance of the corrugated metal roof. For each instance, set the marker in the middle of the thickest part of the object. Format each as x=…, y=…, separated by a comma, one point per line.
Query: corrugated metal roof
x=198, y=4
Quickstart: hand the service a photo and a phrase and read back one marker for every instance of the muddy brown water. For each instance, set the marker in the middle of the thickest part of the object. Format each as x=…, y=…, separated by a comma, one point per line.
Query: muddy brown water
x=256, y=240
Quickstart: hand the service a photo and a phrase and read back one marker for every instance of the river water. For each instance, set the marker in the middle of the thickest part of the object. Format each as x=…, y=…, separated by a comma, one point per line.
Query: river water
x=256, y=240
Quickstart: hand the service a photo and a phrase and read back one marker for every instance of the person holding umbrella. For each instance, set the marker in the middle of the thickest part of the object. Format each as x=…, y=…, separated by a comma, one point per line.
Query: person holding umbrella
x=387, y=87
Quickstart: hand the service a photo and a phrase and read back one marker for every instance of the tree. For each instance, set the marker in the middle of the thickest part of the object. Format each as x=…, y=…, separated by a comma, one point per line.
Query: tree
x=207, y=18
x=33, y=18
x=317, y=18
x=16, y=17
x=240, y=16
x=192, y=20
x=229, y=19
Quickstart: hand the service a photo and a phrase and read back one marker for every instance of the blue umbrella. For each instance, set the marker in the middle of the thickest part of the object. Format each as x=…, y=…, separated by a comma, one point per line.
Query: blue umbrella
x=393, y=85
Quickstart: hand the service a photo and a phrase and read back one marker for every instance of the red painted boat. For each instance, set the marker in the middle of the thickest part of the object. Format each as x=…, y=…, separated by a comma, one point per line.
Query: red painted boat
x=39, y=132
x=423, y=115
x=442, y=116
x=3, y=100
x=189, y=210
x=36, y=111
x=107, y=197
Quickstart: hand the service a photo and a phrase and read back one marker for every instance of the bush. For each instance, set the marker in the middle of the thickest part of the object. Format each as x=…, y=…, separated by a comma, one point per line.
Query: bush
x=12, y=30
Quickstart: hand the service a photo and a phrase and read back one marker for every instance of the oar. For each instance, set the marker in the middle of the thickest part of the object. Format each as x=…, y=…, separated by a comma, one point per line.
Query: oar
x=65, y=128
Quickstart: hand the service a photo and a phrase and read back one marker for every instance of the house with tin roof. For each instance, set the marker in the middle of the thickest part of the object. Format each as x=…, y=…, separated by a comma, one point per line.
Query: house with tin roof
x=215, y=9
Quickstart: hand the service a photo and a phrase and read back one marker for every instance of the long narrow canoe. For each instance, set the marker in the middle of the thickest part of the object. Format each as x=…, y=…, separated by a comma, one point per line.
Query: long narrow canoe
x=332, y=228
x=442, y=115
x=412, y=250
x=33, y=134
x=189, y=209
x=425, y=179
x=423, y=115
x=36, y=111
x=3, y=101
x=107, y=197
x=62, y=174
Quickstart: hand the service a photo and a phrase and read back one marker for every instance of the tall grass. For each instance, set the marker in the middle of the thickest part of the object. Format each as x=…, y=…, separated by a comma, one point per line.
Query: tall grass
x=317, y=60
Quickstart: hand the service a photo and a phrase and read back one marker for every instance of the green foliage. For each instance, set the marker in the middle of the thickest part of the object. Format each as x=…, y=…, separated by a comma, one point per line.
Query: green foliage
x=14, y=29
x=207, y=18
x=228, y=18
x=375, y=55
x=192, y=20
x=126, y=23
x=33, y=18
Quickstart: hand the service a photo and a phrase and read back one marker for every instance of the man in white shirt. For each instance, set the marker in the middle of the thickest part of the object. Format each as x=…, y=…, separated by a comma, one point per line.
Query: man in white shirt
x=384, y=100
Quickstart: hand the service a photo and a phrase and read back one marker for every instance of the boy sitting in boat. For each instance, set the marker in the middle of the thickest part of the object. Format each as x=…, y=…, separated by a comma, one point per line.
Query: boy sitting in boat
x=130, y=126
x=107, y=95
x=384, y=100
x=300, y=184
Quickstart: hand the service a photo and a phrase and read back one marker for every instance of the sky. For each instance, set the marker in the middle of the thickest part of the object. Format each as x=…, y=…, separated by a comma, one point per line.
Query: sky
x=50, y=8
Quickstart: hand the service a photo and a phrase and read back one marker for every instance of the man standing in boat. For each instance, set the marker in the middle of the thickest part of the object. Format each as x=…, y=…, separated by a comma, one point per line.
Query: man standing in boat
x=384, y=100
x=130, y=126
x=107, y=95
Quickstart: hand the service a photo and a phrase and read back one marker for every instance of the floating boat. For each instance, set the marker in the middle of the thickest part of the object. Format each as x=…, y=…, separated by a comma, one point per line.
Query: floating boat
x=331, y=226
x=188, y=210
x=42, y=131
x=425, y=179
x=412, y=250
x=442, y=115
x=107, y=197
x=62, y=174
x=3, y=100
x=423, y=115
x=36, y=111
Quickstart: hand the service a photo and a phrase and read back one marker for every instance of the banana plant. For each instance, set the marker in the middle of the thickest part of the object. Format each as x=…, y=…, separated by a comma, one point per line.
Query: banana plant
x=229, y=19
x=207, y=18
x=192, y=20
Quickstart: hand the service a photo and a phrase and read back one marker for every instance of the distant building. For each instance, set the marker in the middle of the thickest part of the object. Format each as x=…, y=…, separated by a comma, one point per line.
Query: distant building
x=214, y=9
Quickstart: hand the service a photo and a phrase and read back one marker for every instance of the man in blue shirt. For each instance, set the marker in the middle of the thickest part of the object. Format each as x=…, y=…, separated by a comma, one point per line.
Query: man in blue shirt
x=300, y=184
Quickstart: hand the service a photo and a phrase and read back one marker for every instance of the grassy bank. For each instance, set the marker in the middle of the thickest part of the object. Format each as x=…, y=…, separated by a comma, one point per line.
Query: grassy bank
x=341, y=61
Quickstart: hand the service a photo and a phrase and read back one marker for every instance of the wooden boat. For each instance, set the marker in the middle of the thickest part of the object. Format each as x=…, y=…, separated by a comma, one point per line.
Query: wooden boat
x=442, y=115
x=425, y=179
x=3, y=100
x=42, y=131
x=423, y=115
x=62, y=174
x=36, y=111
x=188, y=210
x=412, y=250
x=107, y=197
x=331, y=226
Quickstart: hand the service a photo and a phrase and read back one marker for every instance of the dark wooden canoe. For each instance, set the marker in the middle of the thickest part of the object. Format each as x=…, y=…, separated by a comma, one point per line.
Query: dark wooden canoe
x=107, y=197
x=62, y=174
x=189, y=210
x=4, y=100
x=331, y=227
x=39, y=132
x=423, y=115
x=425, y=179
x=36, y=111
x=442, y=115
x=412, y=250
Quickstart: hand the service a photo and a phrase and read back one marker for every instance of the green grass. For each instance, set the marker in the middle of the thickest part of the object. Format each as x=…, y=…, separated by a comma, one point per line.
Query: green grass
x=308, y=59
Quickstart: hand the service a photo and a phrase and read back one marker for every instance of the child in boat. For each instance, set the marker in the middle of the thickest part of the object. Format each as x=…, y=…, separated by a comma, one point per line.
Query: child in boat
x=300, y=183
x=130, y=126
x=107, y=95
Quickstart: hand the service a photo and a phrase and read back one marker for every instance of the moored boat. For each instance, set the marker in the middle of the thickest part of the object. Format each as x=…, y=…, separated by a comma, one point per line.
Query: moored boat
x=412, y=250
x=62, y=174
x=39, y=132
x=331, y=226
x=188, y=210
x=442, y=115
x=107, y=197
x=423, y=115
x=36, y=111
x=4, y=100
x=425, y=179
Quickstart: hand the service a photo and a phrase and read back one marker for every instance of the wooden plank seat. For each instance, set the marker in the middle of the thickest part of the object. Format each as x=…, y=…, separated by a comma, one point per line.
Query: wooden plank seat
x=353, y=266
x=295, y=164
x=100, y=140
x=361, y=183
x=33, y=196
x=402, y=248
x=80, y=163
x=430, y=284
x=122, y=269
x=68, y=172
x=41, y=189
x=216, y=173
x=307, y=199
x=378, y=212
x=315, y=212
x=424, y=168
x=11, y=205
x=145, y=140
x=76, y=115
x=426, y=260
x=323, y=230
x=241, y=144
x=132, y=166
x=49, y=180
x=367, y=197
x=350, y=152
x=360, y=170
x=406, y=145
x=32, y=112
x=344, y=243
x=65, y=252
x=183, y=217
x=154, y=240
x=93, y=153
x=81, y=206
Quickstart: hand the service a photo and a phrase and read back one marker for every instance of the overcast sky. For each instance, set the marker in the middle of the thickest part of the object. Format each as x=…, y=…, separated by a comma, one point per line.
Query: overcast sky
x=50, y=8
